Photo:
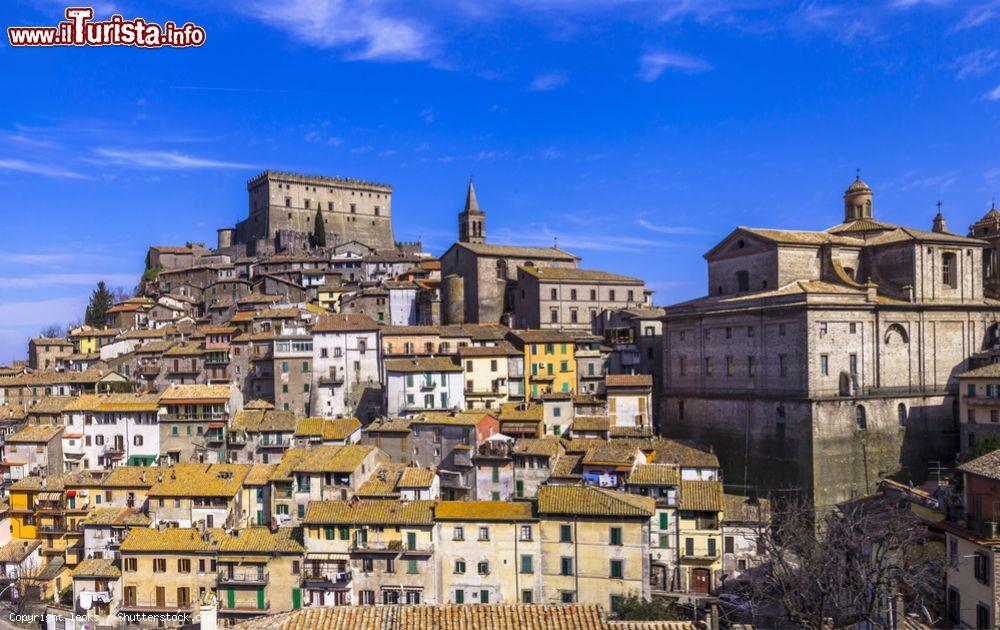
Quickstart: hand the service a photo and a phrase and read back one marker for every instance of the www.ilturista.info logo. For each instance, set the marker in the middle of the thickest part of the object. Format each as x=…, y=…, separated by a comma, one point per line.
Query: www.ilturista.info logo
x=80, y=29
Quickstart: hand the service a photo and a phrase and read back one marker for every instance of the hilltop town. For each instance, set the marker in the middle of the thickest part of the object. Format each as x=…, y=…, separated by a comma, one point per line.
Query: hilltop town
x=309, y=417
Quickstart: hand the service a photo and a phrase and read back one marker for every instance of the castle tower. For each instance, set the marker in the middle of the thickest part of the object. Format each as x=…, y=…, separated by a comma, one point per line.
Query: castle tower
x=472, y=220
x=857, y=201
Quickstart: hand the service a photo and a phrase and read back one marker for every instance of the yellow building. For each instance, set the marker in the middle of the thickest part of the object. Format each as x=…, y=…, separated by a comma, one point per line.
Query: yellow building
x=488, y=375
x=594, y=545
x=328, y=296
x=23, y=499
x=700, y=534
x=258, y=573
x=369, y=551
x=481, y=543
x=88, y=340
x=549, y=360
x=167, y=571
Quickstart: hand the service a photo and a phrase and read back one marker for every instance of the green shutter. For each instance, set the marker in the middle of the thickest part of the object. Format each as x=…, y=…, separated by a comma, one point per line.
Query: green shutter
x=664, y=520
x=459, y=596
x=484, y=597
x=261, y=604
x=411, y=540
x=296, y=599
x=520, y=488
x=231, y=598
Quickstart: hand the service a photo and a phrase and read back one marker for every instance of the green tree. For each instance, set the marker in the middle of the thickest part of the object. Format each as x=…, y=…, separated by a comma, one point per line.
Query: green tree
x=100, y=301
x=634, y=608
x=985, y=444
x=319, y=230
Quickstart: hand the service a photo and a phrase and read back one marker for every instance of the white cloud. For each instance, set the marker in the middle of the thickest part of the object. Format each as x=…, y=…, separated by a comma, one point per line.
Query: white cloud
x=428, y=115
x=653, y=64
x=548, y=81
x=977, y=63
x=364, y=30
x=993, y=95
x=162, y=160
x=979, y=15
x=67, y=279
x=669, y=229
x=846, y=24
x=35, y=168
x=909, y=4
x=40, y=312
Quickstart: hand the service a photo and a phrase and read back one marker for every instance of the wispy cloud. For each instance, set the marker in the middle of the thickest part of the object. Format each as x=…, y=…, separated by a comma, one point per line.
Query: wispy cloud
x=909, y=4
x=43, y=170
x=547, y=81
x=221, y=88
x=653, y=64
x=993, y=95
x=37, y=313
x=363, y=30
x=670, y=229
x=977, y=63
x=844, y=23
x=428, y=115
x=66, y=280
x=979, y=15
x=166, y=160
x=544, y=236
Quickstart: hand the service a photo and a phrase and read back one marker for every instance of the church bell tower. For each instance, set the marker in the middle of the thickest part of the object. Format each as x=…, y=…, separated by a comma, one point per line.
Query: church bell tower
x=472, y=220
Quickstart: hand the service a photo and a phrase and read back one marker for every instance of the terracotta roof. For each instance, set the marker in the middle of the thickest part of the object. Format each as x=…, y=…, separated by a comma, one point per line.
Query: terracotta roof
x=50, y=405
x=422, y=364
x=382, y=483
x=520, y=411
x=416, y=477
x=591, y=423
x=17, y=550
x=613, y=452
x=345, y=322
x=196, y=392
x=155, y=347
x=35, y=433
x=572, y=274
x=986, y=371
x=187, y=349
x=171, y=539
x=259, y=474
x=259, y=540
x=333, y=429
x=483, y=511
x=258, y=420
x=115, y=515
x=590, y=501
x=131, y=477
x=987, y=465
x=115, y=402
x=323, y=459
x=542, y=336
x=456, y=418
x=545, y=447
x=655, y=475
x=370, y=511
x=567, y=467
x=200, y=480
x=701, y=495
x=628, y=380
x=517, y=251
x=258, y=404
x=740, y=509
x=465, y=617
x=390, y=425
x=500, y=350
x=96, y=567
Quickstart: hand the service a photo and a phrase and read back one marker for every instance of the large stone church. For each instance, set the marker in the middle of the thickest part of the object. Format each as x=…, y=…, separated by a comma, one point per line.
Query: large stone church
x=822, y=361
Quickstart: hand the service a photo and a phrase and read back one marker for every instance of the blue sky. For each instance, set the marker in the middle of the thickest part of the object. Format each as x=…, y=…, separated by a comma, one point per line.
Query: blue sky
x=637, y=133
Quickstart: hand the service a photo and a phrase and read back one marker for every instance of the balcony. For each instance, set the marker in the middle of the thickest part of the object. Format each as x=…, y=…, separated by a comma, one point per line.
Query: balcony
x=149, y=371
x=418, y=549
x=215, y=436
x=253, y=577
x=52, y=529
x=163, y=605
x=275, y=443
x=327, y=579
x=237, y=439
x=331, y=380
x=699, y=556
x=377, y=546
x=182, y=417
x=248, y=608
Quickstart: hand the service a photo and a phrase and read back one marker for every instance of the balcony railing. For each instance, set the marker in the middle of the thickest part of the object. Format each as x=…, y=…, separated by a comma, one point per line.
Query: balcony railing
x=418, y=549
x=259, y=576
x=377, y=546
x=180, y=417
x=247, y=608
x=164, y=604
x=327, y=578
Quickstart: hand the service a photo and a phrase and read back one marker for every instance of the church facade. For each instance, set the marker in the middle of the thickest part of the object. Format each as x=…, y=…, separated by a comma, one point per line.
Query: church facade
x=822, y=361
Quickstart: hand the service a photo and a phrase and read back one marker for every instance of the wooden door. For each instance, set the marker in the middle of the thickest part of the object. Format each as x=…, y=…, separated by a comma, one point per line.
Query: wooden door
x=699, y=580
x=161, y=596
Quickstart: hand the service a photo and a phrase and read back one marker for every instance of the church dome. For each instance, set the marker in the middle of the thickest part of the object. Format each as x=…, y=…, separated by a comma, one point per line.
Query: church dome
x=858, y=186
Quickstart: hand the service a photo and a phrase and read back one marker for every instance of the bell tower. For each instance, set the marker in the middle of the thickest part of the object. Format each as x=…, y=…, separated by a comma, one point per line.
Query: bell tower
x=857, y=201
x=472, y=220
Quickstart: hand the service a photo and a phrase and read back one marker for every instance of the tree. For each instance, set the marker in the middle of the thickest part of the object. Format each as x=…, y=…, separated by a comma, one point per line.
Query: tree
x=634, y=608
x=985, y=444
x=849, y=572
x=97, y=311
x=120, y=294
x=319, y=230
x=51, y=331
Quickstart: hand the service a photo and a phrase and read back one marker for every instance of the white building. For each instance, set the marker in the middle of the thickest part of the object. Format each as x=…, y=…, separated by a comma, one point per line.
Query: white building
x=402, y=303
x=423, y=384
x=346, y=360
x=108, y=430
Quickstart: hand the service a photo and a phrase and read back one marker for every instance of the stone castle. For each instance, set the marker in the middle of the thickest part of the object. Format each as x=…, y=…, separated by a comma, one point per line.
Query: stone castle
x=282, y=213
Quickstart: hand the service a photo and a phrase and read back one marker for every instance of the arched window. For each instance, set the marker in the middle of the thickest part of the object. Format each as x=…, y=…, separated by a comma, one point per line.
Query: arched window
x=860, y=418
x=501, y=269
x=901, y=414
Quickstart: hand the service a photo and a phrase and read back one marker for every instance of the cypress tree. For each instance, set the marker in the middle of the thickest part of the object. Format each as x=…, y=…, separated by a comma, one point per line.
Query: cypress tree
x=97, y=311
x=319, y=230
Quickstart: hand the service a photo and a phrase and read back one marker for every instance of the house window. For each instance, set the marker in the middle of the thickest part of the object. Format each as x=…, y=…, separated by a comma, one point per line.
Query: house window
x=615, y=536
x=565, y=566
x=783, y=365
x=901, y=414
x=617, y=569
x=460, y=566
x=981, y=567
x=824, y=364
x=527, y=565
x=565, y=533
x=860, y=418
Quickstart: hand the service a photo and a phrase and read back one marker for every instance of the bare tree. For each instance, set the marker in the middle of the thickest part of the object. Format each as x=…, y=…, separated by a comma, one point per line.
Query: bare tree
x=849, y=570
x=51, y=331
x=120, y=294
